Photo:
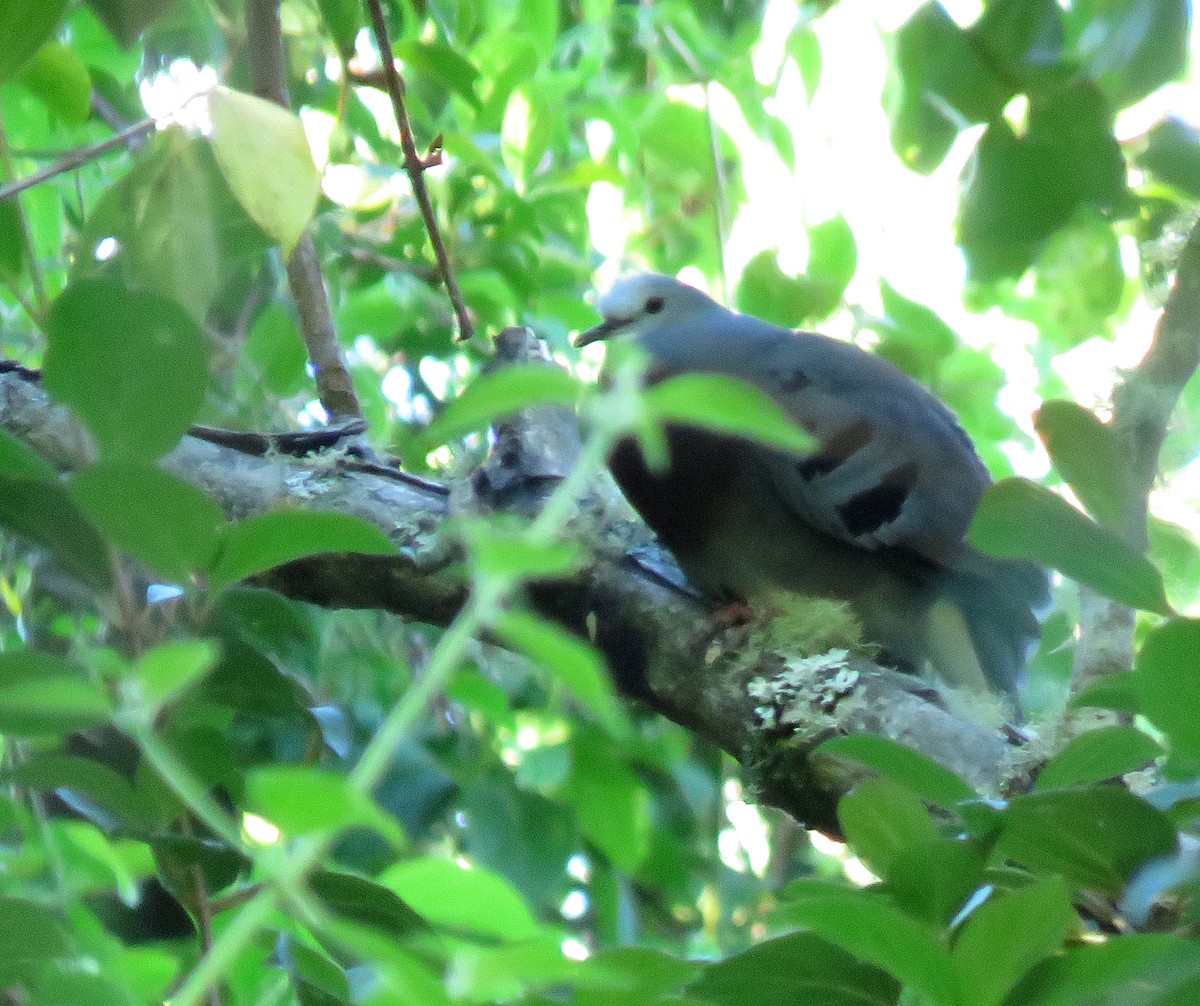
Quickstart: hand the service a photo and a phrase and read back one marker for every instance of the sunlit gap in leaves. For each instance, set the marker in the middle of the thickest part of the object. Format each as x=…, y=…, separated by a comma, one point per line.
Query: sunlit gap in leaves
x=747, y=842
x=259, y=830
x=574, y=949
x=852, y=867
x=168, y=95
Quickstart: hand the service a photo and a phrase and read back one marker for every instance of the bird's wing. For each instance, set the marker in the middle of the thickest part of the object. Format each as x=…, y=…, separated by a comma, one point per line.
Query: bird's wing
x=892, y=469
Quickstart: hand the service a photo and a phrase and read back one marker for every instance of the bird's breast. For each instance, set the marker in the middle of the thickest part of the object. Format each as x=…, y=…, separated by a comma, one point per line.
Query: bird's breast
x=687, y=501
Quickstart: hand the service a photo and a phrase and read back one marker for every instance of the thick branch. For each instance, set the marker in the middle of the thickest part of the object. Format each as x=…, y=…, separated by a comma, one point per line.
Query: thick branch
x=657, y=639
x=269, y=80
x=1142, y=407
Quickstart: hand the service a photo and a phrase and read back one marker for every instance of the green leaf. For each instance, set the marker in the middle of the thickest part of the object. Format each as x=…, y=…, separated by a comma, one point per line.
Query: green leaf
x=127, y=19
x=1023, y=187
x=1169, y=688
x=1095, y=838
x=305, y=801
x=170, y=669
x=30, y=937
x=576, y=663
x=260, y=543
x=153, y=357
x=12, y=243
x=804, y=47
x=343, y=18
x=444, y=64
x=1134, y=970
x=24, y=26
x=1172, y=155
x=1086, y=453
x=932, y=879
x=880, y=819
x=766, y=292
x=160, y=520
x=726, y=406
x=249, y=133
x=912, y=336
x=612, y=804
x=910, y=768
x=276, y=350
x=877, y=933
x=44, y=514
x=941, y=83
x=495, y=549
x=817, y=972
x=1017, y=519
x=1007, y=935
x=61, y=81
x=1098, y=755
x=164, y=217
x=40, y=695
x=501, y=393
x=1131, y=48
x=472, y=901
x=50, y=770
x=20, y=461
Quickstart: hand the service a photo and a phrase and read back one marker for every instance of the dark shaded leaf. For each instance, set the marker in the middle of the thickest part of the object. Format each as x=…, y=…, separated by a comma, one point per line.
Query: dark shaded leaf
x=1095, y=838
x=816, y=971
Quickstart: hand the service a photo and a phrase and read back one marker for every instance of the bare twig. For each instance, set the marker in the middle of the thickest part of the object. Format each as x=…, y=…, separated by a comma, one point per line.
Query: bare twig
x=73, y=159
x=268, y=78
x=1142, y=407
x=204, y=916
x=415, y=165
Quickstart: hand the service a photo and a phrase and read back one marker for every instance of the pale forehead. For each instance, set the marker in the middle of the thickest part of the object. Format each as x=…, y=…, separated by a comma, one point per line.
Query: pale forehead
x=628, y=295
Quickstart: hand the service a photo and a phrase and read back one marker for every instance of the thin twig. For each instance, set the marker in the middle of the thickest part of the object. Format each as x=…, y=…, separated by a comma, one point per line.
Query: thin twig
x=720, y=207
x=1142, y=408
x=335, y=389
x=77, y=158
x=415, y=165
x=204, y=917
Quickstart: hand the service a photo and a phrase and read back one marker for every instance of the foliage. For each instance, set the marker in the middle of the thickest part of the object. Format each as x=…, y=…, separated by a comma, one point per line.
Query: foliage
x=211, y=784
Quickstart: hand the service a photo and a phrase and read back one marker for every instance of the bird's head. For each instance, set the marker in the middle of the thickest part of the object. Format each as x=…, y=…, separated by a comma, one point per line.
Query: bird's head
x=640, y=304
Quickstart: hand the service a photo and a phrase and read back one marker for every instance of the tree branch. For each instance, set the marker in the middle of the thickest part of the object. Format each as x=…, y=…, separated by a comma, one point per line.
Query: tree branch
x=657, y=639
x=415, y=166
x=1142, y=407
x=269, y=80
x=77, y=158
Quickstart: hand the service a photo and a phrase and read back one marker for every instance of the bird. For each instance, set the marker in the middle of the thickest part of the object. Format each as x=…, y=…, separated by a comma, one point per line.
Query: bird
x=875, y=515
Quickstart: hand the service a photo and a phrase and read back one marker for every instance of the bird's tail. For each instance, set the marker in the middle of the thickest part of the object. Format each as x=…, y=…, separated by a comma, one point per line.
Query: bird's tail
x=1002, y=602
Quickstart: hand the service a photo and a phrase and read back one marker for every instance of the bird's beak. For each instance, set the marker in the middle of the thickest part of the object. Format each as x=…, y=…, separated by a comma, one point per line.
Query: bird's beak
x=601, y=331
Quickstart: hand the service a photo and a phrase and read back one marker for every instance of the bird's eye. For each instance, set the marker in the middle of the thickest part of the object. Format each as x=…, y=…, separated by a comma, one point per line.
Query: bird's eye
x=654, y=305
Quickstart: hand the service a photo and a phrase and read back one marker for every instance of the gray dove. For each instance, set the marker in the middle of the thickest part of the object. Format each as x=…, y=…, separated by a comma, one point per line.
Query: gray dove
x=875, y=516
